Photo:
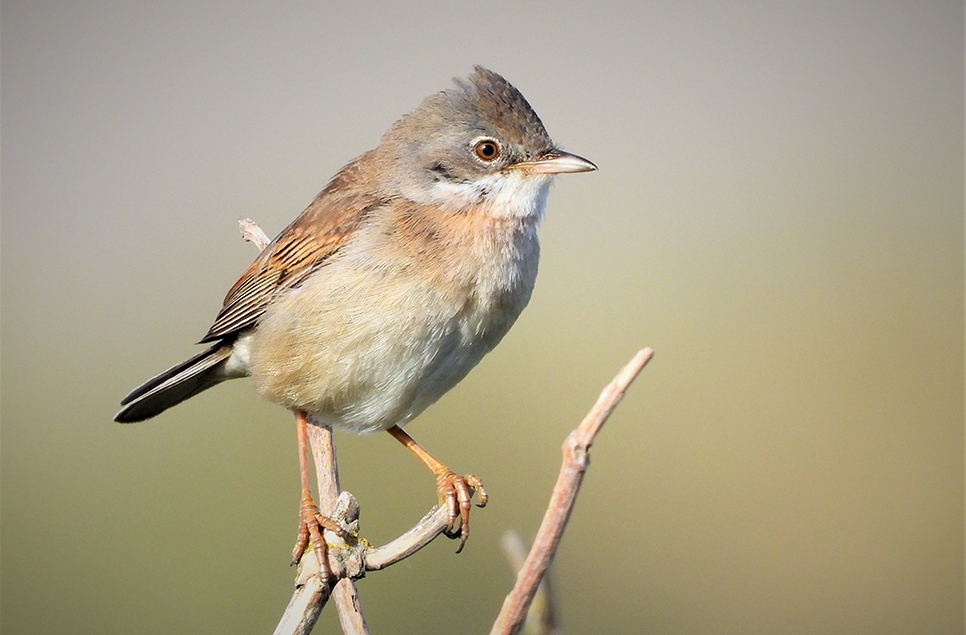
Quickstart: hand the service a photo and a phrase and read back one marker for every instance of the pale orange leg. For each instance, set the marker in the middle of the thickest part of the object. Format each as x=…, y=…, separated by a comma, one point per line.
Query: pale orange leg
x=311, y=522
x=455, y=491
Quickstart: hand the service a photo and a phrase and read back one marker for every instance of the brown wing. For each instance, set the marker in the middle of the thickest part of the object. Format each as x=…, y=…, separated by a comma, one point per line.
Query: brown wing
x=302, y=247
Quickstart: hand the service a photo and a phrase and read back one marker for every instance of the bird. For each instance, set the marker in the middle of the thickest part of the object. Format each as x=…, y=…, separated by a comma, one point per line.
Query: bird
x=405, y=270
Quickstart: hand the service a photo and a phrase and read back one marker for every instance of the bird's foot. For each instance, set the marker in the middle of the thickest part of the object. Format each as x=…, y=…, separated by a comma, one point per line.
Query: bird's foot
x=455, y=493
x=311, y=525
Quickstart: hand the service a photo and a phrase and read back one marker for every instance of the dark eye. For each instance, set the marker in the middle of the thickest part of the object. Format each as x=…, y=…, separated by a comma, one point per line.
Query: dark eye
x=487, y=150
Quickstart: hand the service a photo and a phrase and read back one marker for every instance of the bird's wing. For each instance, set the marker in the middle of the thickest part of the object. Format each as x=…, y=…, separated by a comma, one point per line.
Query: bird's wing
x=302, y=247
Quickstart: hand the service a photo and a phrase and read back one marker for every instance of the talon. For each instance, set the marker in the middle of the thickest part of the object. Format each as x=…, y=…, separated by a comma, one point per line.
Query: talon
x=477, y=484
x=330, y=525
x=301, y=542
x=456, y=493
x=311, y=524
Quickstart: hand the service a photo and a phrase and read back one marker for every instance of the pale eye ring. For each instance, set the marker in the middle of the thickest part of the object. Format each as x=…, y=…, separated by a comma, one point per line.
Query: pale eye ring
x=487, y=150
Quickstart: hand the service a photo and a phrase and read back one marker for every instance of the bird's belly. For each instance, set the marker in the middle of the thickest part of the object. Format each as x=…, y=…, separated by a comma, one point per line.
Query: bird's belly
x=363, y=356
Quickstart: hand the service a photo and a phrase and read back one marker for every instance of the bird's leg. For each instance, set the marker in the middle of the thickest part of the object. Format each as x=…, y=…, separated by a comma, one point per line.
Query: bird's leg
x=311, y=522
x=455, y=491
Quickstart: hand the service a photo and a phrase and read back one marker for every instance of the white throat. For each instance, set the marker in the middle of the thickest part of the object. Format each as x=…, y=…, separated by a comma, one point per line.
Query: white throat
x=508, y=194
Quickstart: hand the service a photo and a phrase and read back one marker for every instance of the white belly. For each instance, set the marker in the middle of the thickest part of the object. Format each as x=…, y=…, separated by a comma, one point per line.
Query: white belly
x=364, y=349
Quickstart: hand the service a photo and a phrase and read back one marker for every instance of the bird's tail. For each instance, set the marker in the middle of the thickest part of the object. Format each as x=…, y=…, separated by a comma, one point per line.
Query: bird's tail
x=176, y=384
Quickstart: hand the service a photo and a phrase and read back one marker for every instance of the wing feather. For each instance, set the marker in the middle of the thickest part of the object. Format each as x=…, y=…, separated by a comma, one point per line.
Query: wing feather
x=302, y=248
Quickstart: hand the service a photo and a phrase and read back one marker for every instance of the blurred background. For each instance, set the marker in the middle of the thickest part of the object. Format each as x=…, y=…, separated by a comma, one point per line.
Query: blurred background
x=778, y=213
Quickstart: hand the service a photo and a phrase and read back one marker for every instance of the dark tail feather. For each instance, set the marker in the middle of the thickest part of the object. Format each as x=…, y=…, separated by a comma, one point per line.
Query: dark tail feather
x=175, y=385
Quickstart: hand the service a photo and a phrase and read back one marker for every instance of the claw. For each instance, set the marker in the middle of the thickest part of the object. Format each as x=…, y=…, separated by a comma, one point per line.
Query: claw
x=311, y=523
x=301, y=542
x=456, y=493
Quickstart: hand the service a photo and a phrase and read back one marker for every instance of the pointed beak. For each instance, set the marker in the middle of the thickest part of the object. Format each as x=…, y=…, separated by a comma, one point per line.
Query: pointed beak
x=557, y=162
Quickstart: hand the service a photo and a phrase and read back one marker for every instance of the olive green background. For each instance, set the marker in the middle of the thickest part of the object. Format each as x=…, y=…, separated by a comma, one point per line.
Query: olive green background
x=778, y=213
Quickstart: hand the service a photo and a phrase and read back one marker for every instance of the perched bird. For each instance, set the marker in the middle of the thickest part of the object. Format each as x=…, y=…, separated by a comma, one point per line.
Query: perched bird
x=408, y=267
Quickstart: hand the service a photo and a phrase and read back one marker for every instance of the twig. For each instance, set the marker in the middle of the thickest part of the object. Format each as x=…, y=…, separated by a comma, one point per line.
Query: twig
x=575, y=462
x=345, y=594
x=307, y=602
x=251, y=232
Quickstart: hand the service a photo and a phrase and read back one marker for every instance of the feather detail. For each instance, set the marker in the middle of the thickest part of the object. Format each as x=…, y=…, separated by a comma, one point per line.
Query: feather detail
x=175, y=385
x=305, y=245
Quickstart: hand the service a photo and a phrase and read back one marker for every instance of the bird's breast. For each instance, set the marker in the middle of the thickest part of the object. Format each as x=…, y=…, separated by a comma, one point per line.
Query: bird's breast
x=399, y=317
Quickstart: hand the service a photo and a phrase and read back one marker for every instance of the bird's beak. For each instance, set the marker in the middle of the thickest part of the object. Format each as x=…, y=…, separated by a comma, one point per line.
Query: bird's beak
x=556, y=162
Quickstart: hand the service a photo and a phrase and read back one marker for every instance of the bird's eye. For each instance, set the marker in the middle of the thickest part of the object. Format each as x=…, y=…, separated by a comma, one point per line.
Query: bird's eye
x=487, y=150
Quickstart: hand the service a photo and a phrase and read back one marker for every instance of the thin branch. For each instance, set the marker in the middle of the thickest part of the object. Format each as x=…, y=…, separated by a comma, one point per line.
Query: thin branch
x=307, y=602
x=575, y=462
x=251, y=232
x=347, y=562
x=432, y=524
x=344, y=593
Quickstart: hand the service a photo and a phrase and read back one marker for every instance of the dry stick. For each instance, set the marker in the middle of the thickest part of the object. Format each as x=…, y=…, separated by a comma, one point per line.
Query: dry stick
x=345, y=594
x=307, y=602
x=575, y=462
x=254, y=234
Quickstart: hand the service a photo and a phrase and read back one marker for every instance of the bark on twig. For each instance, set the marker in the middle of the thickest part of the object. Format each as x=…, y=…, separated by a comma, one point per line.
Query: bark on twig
x=347, y=562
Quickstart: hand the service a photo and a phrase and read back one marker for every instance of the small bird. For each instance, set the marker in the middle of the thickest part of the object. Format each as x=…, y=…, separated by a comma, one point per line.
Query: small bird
x=408, y=268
